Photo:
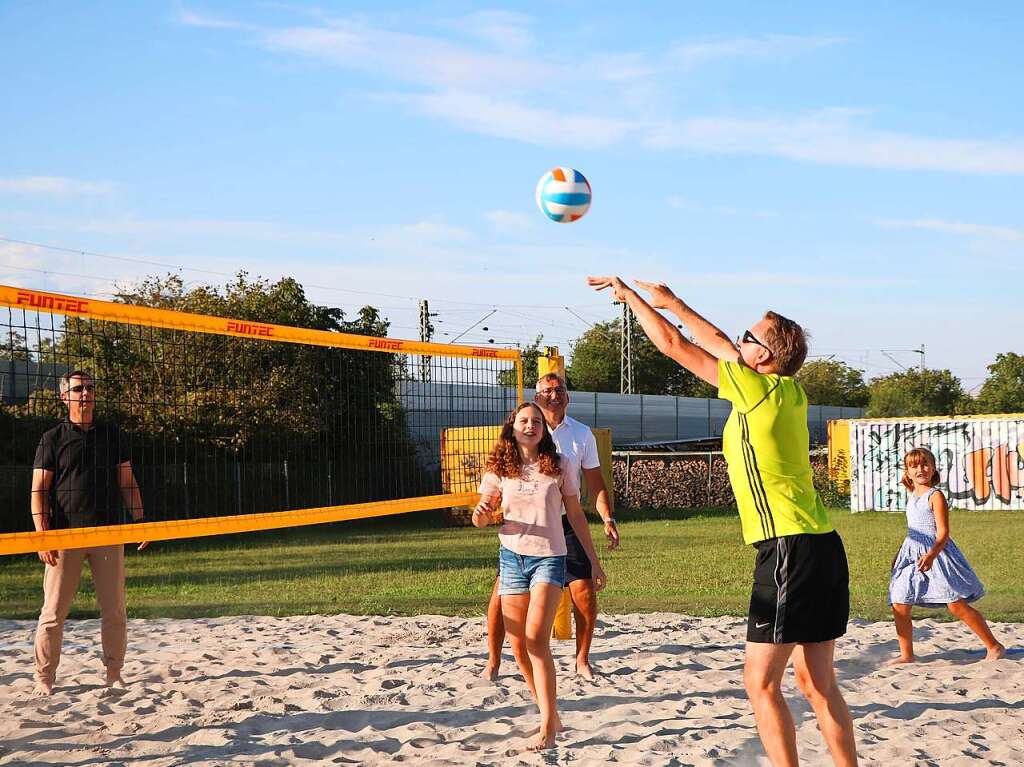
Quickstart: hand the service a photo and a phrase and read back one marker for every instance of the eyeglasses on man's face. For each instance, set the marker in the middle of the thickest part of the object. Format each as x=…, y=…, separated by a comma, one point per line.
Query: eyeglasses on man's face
x=79, y=388
x=750, y=338
x=555, y=390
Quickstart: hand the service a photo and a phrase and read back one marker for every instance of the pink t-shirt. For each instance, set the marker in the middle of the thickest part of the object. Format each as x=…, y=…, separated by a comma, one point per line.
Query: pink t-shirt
x=532, y=505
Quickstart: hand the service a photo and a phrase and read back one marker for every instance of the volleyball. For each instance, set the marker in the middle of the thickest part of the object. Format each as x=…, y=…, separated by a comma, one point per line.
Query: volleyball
x=563, y=195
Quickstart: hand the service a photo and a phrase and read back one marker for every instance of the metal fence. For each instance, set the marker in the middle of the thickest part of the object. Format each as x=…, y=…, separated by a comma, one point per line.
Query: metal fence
x=632, y=418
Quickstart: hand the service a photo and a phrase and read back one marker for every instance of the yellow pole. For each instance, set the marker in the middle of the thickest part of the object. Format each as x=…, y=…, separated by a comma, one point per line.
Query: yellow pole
x=553, y=362
x=562, y=628
x=519, y=380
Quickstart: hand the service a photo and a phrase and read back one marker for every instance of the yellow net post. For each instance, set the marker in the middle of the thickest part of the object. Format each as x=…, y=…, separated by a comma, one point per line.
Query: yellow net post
x=839, y=453
x=551, y=362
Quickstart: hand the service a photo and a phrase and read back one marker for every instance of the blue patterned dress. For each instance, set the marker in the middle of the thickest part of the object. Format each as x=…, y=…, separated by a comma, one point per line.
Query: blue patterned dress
x=950, y=578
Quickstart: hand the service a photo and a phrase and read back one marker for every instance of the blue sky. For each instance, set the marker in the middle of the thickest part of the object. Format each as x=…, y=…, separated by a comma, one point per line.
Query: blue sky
x=859, y=170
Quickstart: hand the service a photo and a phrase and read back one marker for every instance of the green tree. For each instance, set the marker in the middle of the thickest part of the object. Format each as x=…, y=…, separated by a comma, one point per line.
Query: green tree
x=13, y=347
x=533, y=351
x=46, y=350
x=1003, y=390
x=225, y=390
x=916, y=393
x=830, y=382
x=595, y=359
x=596, y=365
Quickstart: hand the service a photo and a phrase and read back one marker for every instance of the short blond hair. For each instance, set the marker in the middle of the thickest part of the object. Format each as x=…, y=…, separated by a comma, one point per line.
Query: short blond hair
x=787, y=341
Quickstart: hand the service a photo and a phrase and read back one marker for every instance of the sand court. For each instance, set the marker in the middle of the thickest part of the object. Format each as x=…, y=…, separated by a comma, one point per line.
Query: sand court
x=330, y=690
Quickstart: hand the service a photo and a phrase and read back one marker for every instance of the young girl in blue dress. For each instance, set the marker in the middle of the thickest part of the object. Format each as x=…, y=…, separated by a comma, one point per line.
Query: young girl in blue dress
x=929, y=569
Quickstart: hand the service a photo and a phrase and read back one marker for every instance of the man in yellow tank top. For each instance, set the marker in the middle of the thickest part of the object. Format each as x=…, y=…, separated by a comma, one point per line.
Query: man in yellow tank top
x=800, y=598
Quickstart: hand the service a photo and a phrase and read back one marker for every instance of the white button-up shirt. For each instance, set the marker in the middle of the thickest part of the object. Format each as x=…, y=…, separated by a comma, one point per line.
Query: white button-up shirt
x=577, y=446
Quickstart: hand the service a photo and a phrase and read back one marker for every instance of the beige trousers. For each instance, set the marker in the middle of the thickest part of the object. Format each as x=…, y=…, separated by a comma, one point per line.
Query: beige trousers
x=60, y=583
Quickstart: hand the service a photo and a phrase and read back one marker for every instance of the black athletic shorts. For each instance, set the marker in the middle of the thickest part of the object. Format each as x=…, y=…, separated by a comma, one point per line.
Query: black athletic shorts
x=577, y=563
x=801, y=590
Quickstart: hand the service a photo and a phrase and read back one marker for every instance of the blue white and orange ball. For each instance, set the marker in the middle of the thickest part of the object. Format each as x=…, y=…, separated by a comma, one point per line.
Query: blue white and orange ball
x=563, y=195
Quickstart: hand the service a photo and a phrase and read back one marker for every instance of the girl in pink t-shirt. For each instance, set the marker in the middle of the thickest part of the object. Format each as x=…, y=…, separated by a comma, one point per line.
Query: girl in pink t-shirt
x=523, y=471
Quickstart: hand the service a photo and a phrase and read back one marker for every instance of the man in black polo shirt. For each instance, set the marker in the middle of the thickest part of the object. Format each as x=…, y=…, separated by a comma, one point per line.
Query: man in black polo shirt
x=81, y=475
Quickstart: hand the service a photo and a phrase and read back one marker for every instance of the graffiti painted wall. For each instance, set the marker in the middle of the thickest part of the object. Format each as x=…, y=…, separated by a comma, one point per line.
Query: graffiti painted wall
x=980, y=461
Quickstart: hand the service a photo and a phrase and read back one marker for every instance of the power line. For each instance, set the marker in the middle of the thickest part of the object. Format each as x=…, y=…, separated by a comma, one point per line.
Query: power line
x=460, y=335
x=308, y=286
x=580, y=318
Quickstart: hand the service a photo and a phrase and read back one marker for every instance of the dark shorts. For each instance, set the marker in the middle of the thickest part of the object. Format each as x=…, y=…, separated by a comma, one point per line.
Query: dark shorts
x=801, y=590
x=577, y=563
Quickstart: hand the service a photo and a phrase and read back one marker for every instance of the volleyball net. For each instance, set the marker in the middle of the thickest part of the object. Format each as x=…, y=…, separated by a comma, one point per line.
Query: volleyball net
x=233, y=425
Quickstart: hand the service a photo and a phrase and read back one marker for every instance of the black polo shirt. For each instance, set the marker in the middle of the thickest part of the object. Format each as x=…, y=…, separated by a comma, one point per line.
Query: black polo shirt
x=85, y=491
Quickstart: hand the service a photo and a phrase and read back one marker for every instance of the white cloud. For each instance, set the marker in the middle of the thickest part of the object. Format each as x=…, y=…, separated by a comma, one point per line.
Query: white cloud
x=494, y=90
x=407, y=57
x=956, y=227
x=505, y=30
x=621, y=67
x=769, y=46
x=408, y=235
x=31, y=266
x=509, y=221
x=784, y=279
x=831, y=137
x=506, y=118
x=58, y=186
x=190, y=18
x=680, y=203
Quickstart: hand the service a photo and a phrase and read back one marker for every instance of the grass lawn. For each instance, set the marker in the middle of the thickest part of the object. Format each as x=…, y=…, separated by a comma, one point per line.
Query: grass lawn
x=689, y=561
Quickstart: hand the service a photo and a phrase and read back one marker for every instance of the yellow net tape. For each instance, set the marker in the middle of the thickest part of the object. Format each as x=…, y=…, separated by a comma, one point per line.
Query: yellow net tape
x=226, y=481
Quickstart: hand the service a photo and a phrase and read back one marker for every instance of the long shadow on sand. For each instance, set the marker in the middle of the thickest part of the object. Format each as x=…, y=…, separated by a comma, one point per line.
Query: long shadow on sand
x=243, y=738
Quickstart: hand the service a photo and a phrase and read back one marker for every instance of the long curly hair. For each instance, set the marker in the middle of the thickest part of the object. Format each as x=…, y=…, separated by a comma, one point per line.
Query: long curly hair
x=504, y=458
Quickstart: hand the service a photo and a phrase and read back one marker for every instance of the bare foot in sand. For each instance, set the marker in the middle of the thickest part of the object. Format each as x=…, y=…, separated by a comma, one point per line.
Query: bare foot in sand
x=584, y=670
x=42, y=689
x=114, y=680
x=490, y=672
x=900, y=660
x=544, y=740
x=995, y=653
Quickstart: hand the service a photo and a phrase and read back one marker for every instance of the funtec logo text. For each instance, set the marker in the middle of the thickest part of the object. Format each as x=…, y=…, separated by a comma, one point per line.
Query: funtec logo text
x=56, y=303
x=250, y=328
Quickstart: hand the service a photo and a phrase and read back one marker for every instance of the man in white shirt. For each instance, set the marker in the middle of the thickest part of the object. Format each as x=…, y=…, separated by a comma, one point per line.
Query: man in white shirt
x=578, y=449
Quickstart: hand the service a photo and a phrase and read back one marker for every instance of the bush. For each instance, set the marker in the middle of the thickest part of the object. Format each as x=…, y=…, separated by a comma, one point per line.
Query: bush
x=835, y=494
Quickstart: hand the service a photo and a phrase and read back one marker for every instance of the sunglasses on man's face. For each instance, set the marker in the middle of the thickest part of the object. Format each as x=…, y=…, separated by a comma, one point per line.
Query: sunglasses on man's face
x=749, y=338
x=79, y=388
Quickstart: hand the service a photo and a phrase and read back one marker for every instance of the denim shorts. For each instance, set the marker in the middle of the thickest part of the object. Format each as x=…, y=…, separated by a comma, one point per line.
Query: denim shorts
x=519, y=573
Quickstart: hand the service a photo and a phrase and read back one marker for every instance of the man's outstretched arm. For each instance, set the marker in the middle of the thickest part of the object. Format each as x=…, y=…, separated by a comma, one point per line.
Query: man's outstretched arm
x=663, y=334
x=706, y=335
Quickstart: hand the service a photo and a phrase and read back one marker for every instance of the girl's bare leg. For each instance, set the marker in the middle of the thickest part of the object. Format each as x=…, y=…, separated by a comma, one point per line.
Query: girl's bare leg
x=544, y=599
x=495, y=634
x=514, y=610
x=903, y=617
x=976, y=622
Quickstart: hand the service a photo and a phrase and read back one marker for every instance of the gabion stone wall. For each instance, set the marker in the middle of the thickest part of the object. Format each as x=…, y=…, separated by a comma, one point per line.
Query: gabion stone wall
x=671, y=482
x=683, y=482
